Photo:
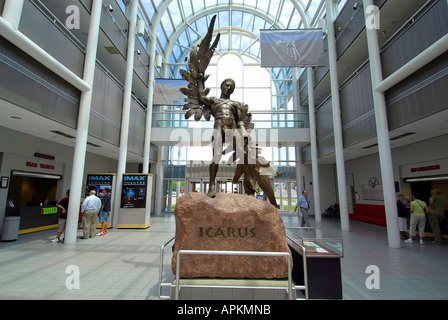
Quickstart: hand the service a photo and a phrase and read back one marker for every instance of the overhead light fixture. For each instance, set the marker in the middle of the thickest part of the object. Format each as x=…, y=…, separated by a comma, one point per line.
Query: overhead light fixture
x=36, y=175
x=424, y=179
x=140, y=27
x=159, y=61
x=110, y=8
x=63, y=134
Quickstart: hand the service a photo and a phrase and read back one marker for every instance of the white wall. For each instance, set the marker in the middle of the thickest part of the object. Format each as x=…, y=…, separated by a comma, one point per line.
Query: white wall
x=327, y=183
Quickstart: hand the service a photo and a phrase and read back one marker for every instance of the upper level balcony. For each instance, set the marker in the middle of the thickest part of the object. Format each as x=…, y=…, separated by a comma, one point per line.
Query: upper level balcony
x=272, y=128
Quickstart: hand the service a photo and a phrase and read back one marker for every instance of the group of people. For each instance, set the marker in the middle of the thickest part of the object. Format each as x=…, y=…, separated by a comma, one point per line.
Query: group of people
x=418, y=210
x=92, y=210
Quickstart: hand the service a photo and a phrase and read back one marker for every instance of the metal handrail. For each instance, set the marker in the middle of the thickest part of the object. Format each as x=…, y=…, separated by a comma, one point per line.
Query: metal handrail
x=305, y=272
x=162, y=253
x=238, y=253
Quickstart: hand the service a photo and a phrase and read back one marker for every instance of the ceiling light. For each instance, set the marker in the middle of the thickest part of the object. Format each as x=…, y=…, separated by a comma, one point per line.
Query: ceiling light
x=426, y=179
x=36, y=175
x=16, y=117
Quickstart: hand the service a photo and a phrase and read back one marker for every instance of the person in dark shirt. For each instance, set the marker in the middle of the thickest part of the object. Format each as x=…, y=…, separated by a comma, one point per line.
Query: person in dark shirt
x=62, y=204
x=104, y=212
x=402, y=216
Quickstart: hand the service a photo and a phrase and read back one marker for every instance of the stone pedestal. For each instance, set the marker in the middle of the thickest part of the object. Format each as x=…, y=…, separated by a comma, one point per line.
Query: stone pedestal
x=229, y=222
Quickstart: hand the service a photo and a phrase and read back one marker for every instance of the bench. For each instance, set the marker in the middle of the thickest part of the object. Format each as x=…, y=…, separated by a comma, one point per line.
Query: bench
x=370, y=213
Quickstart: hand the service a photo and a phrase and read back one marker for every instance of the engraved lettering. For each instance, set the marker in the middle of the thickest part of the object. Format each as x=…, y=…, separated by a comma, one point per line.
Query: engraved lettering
x=219, y=233
x=227, y=232
x=252, y=233
x=208, y=234
x=241, y=235
x=231, y=232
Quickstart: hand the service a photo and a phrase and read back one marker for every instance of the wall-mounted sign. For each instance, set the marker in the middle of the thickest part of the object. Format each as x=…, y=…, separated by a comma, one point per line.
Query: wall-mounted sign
x=39, y=165
x=49, y=210
x=4, y=182
x=44, y=156
x=424, y=169
x=372, y=190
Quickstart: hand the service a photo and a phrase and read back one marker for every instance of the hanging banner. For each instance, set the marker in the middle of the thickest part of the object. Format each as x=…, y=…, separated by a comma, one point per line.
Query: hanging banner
x=292, y=48
x=167, y=93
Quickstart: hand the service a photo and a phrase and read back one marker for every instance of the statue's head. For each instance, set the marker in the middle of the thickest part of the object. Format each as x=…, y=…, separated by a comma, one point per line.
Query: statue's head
x=228, y=85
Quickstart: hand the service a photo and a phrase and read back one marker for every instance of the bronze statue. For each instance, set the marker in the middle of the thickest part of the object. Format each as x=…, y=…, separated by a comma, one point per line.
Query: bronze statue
x=232, y=122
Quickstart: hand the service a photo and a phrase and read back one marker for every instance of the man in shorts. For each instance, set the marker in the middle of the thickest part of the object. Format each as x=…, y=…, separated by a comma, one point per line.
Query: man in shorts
x=62, y=204
x=104, y=212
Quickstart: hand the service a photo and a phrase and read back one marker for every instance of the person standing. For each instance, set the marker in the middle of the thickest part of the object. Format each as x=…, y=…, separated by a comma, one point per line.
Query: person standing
x=437, y=205
x=418, y=210
x=104, y=212
x=62, y=204
x=402, y=216
x=90, y=208
x=304, y=204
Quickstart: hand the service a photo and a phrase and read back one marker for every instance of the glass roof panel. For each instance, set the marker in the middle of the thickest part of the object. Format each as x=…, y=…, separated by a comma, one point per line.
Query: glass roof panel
x=263, y=6
x=186, y=5
x=186, y=21
x=223, y=18
x=198, y=5
x=237, y=18
x=286, y=13
x=274, y=6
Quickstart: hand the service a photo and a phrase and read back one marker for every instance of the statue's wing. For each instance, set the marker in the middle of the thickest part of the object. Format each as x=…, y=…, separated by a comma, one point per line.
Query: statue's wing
x=198, y=62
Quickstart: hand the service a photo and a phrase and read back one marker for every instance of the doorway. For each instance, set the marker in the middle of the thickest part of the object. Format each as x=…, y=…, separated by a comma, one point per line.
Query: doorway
x=286, y=195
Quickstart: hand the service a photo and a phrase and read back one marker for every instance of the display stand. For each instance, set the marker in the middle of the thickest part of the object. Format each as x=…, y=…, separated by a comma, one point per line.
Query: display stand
x=101, y=181
x=323, y=267
x=136, y=195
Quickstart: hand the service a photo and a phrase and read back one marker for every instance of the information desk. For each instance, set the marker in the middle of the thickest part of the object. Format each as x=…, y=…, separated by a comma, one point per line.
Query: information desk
x=323, y=267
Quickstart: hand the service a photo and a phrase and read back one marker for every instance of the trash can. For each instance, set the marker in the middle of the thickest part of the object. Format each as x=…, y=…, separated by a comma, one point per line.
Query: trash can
x=10, y=230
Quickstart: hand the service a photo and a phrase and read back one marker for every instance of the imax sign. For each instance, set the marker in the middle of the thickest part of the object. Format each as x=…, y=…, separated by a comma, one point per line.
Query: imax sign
x=134, y=178
x=99, y=178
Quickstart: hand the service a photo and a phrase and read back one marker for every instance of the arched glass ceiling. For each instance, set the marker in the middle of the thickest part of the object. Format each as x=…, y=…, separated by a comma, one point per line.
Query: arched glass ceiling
x=239, y=22
x=185, y=21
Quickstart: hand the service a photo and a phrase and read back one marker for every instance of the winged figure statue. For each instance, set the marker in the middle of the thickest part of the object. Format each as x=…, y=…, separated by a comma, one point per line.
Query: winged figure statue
x=233, y=121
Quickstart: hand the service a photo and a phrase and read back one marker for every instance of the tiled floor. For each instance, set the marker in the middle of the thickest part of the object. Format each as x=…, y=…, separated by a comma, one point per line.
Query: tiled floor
x=124, y=264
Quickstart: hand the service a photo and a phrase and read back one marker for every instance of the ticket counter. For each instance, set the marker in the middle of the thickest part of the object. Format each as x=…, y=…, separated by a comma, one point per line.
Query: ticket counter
x=34, y=218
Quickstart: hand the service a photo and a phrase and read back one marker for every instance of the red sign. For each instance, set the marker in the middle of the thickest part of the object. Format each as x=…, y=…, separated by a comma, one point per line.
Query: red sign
x=426, y=168
x=39, y=165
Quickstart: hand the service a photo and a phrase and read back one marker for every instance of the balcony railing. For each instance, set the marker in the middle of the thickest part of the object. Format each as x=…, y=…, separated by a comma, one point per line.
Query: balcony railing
x=261, y=119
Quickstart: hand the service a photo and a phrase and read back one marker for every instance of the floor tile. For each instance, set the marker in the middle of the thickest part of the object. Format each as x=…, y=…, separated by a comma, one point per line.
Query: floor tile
x=124, y=264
